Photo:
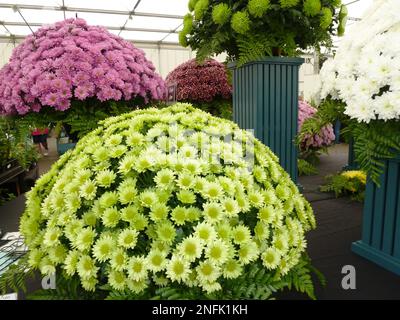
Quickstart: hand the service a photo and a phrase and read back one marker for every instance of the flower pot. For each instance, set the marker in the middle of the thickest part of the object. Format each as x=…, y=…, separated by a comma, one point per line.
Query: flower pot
x=380, y=240
x=265, y=99
x=64, y=147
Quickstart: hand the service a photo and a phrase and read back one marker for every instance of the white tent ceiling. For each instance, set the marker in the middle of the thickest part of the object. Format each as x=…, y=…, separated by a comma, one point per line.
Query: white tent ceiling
x=141, y=20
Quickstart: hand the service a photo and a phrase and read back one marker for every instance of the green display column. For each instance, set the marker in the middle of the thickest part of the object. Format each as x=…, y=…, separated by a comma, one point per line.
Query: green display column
x=351, y=160
x=380, y=240
x=265, y=99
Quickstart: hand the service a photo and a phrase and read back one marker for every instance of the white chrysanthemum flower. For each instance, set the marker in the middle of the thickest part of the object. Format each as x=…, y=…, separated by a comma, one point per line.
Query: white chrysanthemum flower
x=213, y=212
x=185, y=180
x=207, y=271
x=217, y=252
x=177, y=269
x=156, y=260
x=164, y=178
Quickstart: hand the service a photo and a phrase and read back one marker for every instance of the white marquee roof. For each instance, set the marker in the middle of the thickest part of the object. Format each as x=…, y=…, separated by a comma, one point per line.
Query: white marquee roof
x=156, y=21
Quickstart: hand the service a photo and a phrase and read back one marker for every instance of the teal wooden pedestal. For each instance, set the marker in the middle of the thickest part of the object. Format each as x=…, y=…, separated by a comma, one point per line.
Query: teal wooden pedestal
x=265, y=99
x=380, y=240
x=351, y=160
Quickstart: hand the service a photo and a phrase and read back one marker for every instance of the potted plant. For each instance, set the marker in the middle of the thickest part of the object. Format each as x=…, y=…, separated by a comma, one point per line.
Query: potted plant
x=150, y=206
x=362, y=86
x=263, y=38
x=205, y=85
x=76, y=74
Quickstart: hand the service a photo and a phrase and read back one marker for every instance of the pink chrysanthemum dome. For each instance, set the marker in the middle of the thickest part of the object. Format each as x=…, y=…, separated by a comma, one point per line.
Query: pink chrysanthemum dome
x=324, y=138
x=200, y=82
x=72, y=60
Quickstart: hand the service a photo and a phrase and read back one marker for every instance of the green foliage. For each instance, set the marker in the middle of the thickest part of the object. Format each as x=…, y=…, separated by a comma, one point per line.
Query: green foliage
x=6, y=196
x=15, y=276
x=253, y=47
x=283, y=23
x=306, y=168
x=351, y=183
x=220, y=107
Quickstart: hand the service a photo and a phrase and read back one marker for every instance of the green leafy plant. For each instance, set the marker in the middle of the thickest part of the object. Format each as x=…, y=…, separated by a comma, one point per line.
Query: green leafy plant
x=306, y=168
x=347, y=183
x=250, y=29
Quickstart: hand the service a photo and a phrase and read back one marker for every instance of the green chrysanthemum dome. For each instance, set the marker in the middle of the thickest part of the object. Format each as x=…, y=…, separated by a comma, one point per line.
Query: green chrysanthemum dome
x=288, y=3
x=187, y=23
x=326, y=18
x=200, y=8
x=240, y=22
x=312, y=7
x=257, y=8
x=192, y=4
x=221, y=13
x=336, y=3
x=162, y=197
x=182, y=38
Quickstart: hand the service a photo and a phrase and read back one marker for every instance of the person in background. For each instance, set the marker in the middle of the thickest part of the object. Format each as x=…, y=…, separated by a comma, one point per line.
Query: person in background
x=39, y=137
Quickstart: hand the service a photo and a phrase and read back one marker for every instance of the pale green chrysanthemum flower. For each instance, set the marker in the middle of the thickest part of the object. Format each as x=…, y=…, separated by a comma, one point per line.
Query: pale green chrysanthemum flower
x=130, y=213
x=241, y=234
x=71, y=262
x=108, y=199
x=89, y=284
x=51, y=237
x=103, y=248
x=232, y=269
x=193, y=214
x=83, y=162
x=46, y=266
x=213, y=212
x=140, y=222
x=190, y=248
x=230, y=207
x=88, y=190
x=288, y=3
x=242, y=202
x=212, y=190
x=164, y=178
x=72, y=228
x=179, y=215
x=118, y=151
x=192, y=166
x=207, y=271
x=127, y=164
x=137, y=268
x=186, y=196
x=101, y=155
x=57, y=254
x=227, y=185
x=86, y=267
x=211, y=287
x=280, y=243
x=269, y=196
x=114, y=140
x=110, y=217
x=160, y=246
x=117, y=280
x=223, y=230
x=118, y=260
x=205, y=232
x=148, y=198
x=188, y=152
x=134, y=139
x=57, y=202
x=137, y=286
x=177, y=269
x=266, y=214
x=159, y=212
x=102, y=166
x=64, y=218
x=72, y=202
x=143, y=163
x=191, y=280
x=282, y=192
x=257, y=8
x=127, y=238
x=127, y=194
x=156, y=260
x=82, y=175
x=271, y=258
x=261, y=231
x=166, y=232
x=35, y=256
x=248, y=252
x=311, y=7
x=217, y=251
x=185, y=180
x=105, y=178
x=199, y=184
x=89, y=218
x=259, y=173
x=71, y=187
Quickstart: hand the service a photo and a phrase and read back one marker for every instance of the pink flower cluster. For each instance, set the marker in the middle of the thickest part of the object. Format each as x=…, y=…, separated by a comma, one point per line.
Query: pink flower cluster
x=200, y=82
x=71, y=60
x=324, y=138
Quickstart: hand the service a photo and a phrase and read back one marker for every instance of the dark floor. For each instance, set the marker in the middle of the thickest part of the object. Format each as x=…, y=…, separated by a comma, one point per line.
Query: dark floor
x=338, y=225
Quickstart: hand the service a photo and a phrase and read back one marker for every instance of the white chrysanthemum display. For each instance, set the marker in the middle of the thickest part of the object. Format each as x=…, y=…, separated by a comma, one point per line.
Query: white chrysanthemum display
x=365, y=73
x=170, y=196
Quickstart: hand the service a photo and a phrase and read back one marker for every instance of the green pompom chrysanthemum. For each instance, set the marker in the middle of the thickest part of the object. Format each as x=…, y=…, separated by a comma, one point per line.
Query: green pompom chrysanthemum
x=192, y=4
x=200, y=8
x=188, y=23
x=240, y=22
x=257, y=8
x=312, y=7
x=221, y=13
x=326, y=18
